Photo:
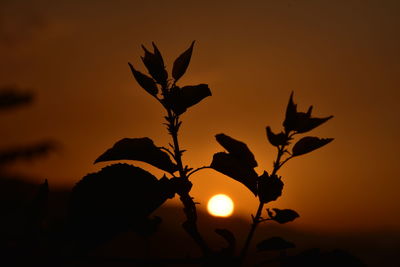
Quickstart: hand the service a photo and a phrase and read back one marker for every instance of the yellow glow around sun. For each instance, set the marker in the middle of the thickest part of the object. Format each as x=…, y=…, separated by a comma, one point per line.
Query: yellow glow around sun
x=220, y=205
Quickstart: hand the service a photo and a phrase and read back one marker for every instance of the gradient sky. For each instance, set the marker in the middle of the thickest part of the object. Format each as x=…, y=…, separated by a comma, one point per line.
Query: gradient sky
x=340, y=56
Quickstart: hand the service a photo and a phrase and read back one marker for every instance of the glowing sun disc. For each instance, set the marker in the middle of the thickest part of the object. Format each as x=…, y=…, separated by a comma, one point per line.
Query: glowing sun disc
x=220, y=205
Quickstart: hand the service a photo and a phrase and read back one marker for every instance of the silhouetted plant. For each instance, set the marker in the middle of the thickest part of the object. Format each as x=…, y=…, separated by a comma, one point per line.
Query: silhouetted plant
x=239, y=163
x=121, y=196
x=135, y=189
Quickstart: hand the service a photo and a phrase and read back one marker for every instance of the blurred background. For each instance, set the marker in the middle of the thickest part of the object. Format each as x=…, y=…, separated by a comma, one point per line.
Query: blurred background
x=340, y=56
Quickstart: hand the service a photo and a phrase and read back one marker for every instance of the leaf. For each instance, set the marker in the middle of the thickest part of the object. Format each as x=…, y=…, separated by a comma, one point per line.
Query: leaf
x=228, y=236
x=308, y=144
x=116, y=199
x=290, y=117
x=300, y=122
x=155, y=64
x=180, y=99
x=141, y=149
x=274, y=243
x=276, y=139
x=306, y=123
x=236, y=169
x=144, y=81
x=237, y=149
x=181, y=63
x=269, y=187
x=283, y=216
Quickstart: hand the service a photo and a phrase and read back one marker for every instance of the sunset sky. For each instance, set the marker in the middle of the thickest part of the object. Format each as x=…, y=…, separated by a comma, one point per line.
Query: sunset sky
x=340, y=56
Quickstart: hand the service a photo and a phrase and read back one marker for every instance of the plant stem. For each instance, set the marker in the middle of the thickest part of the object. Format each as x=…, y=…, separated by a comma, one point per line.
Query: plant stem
x=190, y=225
x=277, y=163
x=256, y=220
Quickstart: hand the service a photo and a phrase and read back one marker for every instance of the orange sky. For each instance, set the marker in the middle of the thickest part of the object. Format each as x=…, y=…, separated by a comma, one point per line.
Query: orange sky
x=341, y=56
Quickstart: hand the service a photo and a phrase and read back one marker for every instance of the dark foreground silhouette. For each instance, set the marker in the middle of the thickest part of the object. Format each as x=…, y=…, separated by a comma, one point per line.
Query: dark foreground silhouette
x=113, y=216
x=169, y=245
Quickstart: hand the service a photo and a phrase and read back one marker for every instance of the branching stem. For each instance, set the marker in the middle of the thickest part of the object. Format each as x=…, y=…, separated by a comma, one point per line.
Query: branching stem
x=190, y=225
x=257, y=219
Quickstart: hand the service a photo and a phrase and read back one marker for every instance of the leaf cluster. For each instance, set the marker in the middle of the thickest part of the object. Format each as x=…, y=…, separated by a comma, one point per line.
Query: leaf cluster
x=165, y=90
x=133, y=190
x=238, y=162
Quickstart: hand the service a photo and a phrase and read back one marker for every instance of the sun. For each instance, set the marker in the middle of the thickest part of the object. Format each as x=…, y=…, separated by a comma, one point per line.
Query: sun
x=220, y=205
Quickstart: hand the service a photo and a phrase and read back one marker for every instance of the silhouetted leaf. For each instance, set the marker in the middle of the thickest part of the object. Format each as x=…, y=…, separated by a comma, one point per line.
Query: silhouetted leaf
x=308, y=144
x=117, y=198
x=141, y=149
x=180, y=99
x=300, y=122
x=283, y=216
x=269, y=187
x=237, y=149
x=305, y=123
x=236, y=169
x=181, y=63
x=290, y=118
x=144, y=81
x=228, y=236
x=155, y=64
x=274, y=243
x=276, y=139
x=11, y=96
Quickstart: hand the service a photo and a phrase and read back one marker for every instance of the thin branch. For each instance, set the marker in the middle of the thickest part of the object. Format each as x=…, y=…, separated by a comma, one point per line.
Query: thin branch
x=168, y=151
x=198, y=169
x=286, y=160
x=257, y=219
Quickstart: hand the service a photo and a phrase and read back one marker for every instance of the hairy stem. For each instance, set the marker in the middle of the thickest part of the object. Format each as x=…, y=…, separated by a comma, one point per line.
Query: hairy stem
x=190, y=225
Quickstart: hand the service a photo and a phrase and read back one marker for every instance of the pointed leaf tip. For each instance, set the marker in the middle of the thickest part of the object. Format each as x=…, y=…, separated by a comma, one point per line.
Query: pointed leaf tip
x=181, y=63
x=155, y=64
x=144, y=81
x=308, y=144
x=283, y=216
x=237, y=149
x=290, y=116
